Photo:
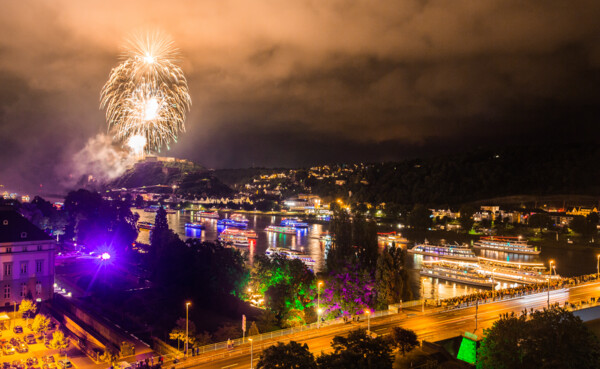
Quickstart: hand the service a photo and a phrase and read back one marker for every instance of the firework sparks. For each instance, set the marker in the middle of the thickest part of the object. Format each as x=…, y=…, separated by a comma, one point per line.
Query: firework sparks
x=147, y=94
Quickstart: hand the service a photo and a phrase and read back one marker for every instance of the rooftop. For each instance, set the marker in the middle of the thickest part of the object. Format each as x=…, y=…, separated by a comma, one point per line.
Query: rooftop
x=15, y=228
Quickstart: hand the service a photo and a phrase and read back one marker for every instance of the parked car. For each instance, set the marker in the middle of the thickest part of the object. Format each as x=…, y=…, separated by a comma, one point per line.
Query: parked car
x=18, y=329
x=22, y=348
x=65, y=364
x=30, y=339
x=8, y=349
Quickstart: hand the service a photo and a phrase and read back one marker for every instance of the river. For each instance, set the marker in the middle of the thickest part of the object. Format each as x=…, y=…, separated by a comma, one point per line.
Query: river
x=569, y=262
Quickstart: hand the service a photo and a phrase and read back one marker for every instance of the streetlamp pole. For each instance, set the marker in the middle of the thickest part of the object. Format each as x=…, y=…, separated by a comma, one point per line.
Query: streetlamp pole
x=187, y=338
x=368, y=312
x=15, y=315
x=251, y=352
x=423, y=296
x=319, y=304
x=493, y=285
x=598, y=267
x=551, y=264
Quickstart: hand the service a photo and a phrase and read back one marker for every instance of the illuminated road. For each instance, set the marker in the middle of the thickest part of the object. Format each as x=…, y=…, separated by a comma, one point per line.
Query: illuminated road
x=430, y=326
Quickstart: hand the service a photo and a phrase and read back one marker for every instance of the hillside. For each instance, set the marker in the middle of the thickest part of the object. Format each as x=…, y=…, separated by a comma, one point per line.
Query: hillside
x=531, y=171
x=190, y=179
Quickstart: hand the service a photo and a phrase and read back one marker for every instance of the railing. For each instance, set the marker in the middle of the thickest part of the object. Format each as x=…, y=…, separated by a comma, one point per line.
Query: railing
x=439, y=306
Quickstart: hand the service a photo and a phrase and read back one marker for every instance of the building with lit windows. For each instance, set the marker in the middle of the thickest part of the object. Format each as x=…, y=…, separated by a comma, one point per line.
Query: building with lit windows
x=26, y=260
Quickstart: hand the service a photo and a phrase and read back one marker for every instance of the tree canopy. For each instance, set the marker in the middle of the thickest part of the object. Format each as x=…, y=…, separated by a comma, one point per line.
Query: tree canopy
x=287, y=356
x=550, y=339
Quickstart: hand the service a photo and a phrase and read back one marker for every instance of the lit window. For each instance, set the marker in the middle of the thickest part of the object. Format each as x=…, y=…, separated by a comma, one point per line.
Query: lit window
x=39, y=266
x=38, y=288
x=7, y=269
x=24, y=267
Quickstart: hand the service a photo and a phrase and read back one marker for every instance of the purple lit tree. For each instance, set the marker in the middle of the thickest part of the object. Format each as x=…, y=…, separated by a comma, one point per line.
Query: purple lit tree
x=348, y=292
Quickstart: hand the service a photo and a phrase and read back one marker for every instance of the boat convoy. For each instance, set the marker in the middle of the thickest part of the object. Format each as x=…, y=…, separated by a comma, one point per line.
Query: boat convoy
x=458, y=263
x=451, y=262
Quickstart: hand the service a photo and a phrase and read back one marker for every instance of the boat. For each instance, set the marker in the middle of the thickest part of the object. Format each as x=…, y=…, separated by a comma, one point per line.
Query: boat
x=146, y=225
x=194, y=225
x=293, y=222
x=151, y=209
x=238, y=237
x=239, y=218
x=513, y=245
x=391, y=238
x=455, y=252
x=170, y=211
x=231, y=223
x=207, y=214
x=456, y=271
x=515, y=271
x=279, y=229
x=291, y=255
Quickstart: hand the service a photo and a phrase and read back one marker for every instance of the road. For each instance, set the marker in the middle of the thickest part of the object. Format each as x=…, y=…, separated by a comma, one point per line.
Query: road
x=431, y=326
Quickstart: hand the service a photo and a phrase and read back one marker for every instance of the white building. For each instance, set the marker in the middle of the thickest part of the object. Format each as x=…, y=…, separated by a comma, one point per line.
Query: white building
x=26, y=259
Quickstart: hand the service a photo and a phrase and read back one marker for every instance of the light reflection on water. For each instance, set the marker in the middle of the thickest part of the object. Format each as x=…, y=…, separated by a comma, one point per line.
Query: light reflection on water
x=570, y=262
x=306, y=240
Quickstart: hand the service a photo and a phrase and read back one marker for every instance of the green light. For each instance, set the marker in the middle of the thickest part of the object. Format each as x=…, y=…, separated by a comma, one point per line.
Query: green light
x=467, y=351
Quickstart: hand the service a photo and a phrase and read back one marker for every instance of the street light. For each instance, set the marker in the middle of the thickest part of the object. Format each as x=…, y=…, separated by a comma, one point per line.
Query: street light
x=187, y=309
x=598, y=267
x=551, y=265
x=493, y=284
x=319, y=304
x=368, y=312
x=251, y=352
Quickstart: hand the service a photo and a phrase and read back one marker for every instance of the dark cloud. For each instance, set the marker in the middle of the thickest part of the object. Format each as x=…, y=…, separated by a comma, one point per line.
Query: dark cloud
x=295, y=83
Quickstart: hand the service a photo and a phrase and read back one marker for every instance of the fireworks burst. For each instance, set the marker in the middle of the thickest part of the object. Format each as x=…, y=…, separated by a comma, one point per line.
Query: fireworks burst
x=146, y=96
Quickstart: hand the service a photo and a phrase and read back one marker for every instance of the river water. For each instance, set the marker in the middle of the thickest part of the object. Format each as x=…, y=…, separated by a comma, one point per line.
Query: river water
x=569, y=262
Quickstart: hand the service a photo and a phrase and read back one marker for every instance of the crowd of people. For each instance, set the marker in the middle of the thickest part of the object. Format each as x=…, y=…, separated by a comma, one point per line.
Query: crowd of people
x=527, y=289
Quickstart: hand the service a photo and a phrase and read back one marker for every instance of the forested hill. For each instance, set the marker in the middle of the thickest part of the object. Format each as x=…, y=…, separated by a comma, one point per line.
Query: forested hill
x=481, y=175
x=454, y=178
x=190, y=179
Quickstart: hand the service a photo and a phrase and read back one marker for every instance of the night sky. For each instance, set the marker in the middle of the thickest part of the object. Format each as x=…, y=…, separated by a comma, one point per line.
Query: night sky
x=293, y=83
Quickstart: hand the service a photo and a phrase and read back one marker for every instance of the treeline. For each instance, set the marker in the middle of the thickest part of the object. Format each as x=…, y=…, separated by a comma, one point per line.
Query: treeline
x=460, y=178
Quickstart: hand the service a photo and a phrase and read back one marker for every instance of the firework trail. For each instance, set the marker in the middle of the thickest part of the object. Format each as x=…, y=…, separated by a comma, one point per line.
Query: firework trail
x=146, y=96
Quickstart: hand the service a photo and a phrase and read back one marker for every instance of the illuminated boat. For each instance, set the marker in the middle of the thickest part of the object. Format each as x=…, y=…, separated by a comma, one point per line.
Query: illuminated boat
x=194, y=225
x=207, y=214
x=455, y=252
x=291, y=255
x=231, y=223
x=170, y=211
x=512, y=245
x=239, y=218
x=293, y=222
x=392, y=238
x=279, y=229
x=146, y=225
x=151, y=209
x=515, y=271
x=456, y=271
x=238, y=237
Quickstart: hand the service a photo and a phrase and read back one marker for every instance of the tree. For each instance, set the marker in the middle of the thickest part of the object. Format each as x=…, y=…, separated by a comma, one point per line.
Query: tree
x=549, y=339
x=110, y=356
x=420, y=218
x=27, y=308
x=178, y=333
x=348, y=291
x=40, y=323
x=341, y=250
x=358, y=351
x=466, y=217
x=287, y=356
x=59, y=341
x=160, y=234
x=404, y=339
x=253, y=331
x=391, y=277
x=288, y=286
